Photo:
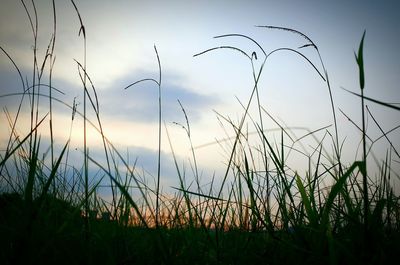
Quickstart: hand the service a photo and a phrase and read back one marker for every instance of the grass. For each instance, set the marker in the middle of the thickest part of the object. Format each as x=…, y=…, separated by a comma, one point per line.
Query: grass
x=263, y=212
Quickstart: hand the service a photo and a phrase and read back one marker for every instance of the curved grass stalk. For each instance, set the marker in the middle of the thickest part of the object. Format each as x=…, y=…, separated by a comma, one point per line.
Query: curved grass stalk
x=158, y=83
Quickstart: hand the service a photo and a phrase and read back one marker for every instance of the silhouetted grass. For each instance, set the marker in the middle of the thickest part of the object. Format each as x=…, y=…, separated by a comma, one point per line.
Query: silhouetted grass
x=263, y=212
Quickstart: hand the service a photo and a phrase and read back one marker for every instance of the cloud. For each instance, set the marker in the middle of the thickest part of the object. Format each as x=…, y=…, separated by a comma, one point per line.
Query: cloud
x=144, y=160
x=139, y=103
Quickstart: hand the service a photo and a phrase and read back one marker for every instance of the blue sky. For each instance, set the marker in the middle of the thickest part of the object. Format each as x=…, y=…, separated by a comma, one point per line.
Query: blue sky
x=120, y=40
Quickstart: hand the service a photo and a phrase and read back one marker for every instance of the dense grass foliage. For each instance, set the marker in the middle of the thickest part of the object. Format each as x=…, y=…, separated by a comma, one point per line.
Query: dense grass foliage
x=262, y=212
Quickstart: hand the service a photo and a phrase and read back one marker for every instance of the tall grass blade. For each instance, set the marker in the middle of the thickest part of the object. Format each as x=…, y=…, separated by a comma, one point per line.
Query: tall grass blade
x=33, y=167
x=311, y=214
x=388, y=105
x=124, y=192
x=338, y=188
x=53, y=172
x=10, y=153
x=360, y=63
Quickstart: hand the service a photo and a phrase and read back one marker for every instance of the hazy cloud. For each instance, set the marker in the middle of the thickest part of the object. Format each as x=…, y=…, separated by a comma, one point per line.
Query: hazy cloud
x=144, y=159
x=140, y=102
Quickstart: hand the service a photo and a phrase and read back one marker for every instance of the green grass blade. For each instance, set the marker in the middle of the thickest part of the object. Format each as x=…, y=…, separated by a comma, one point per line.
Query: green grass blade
x=33, y=163
x=9, y=154
x=312, y=217
x=53, y=172
x=360, y=62
x=124, y=192
x=374, y=100
x=377, y=215
x=336, y=189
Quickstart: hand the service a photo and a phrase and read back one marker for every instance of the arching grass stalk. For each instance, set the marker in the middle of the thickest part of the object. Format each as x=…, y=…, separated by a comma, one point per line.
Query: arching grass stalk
x=195, y=170
x=158, y=83
x=256, y=77
x=259, y=106
x=325, y=78
x=85, y=150
x=242, y=121
x=96, y=107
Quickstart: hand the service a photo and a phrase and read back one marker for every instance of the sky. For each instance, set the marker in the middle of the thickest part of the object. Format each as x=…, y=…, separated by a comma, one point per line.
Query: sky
x=121, y=36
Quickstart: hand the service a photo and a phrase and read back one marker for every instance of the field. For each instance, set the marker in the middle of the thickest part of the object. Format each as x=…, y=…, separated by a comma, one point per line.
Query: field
x=260, y=211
